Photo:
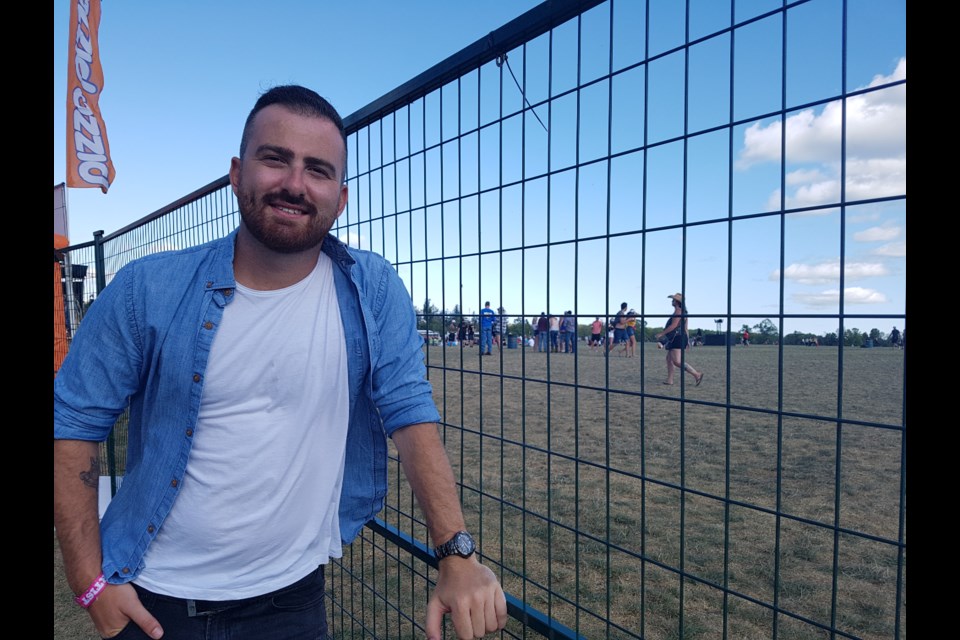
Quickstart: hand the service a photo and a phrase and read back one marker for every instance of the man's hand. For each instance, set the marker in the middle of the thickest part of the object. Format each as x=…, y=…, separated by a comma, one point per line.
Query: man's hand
x=471, y=594
x=117, y=605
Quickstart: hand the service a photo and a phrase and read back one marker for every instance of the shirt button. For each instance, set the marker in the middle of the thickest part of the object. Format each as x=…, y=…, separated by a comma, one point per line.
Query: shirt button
x=150, y=529
x=196, y=377
x=228, y=292
x=189, y=433
x=174, y=482
x=209, y=284
x=208, y=325
x=125, y=570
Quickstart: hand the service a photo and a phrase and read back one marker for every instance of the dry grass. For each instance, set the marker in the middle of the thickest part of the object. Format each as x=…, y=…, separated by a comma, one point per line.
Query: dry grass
x=624, y=508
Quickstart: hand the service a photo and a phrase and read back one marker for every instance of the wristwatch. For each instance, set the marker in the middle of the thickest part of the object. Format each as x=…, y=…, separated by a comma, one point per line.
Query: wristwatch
x=461, y=544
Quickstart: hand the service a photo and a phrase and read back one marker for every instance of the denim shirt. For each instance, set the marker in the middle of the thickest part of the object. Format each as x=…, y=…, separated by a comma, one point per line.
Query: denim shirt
x=144, y=343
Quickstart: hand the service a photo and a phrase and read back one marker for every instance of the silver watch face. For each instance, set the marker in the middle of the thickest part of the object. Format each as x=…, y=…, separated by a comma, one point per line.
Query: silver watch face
x=463, y=544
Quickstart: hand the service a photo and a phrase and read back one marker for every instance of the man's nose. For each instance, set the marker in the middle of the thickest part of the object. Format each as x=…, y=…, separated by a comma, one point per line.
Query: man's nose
x=293, y=180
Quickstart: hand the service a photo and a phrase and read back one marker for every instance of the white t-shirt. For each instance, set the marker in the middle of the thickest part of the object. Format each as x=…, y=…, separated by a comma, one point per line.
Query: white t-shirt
x=258, y=505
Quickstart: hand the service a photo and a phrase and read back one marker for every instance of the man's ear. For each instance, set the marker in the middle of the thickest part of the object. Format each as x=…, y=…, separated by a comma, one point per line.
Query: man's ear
x=234, y=173
x=342, y=202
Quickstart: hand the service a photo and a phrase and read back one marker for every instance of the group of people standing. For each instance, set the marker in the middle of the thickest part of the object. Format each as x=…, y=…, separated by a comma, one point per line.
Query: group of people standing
x=555, y=334
x=493, y=330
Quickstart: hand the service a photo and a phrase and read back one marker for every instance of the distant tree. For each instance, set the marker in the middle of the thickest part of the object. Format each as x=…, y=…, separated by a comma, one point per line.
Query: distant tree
x=853, y=338
x=829, y=339
x=765, y=332
x=879, y=338
x=429, y=317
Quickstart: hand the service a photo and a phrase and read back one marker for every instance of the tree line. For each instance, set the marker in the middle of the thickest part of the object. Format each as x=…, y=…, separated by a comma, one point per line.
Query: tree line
x=764, y=332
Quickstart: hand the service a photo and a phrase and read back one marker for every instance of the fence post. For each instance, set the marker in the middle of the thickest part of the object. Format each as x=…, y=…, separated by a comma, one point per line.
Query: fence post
x=101, y=284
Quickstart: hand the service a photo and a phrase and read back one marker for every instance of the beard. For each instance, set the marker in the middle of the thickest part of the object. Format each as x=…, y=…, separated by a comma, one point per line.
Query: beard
x=280, y=235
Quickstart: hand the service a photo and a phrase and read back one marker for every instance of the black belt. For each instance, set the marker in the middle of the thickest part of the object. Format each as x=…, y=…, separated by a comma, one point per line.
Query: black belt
x=210, y=607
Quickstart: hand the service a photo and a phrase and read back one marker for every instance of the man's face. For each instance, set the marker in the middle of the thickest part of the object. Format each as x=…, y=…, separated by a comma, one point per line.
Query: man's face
x=289, y=182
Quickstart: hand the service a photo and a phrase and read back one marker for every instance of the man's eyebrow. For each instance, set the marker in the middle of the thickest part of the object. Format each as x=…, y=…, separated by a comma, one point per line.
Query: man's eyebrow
x=288, y=155
x=310, y=161
x=283, y=152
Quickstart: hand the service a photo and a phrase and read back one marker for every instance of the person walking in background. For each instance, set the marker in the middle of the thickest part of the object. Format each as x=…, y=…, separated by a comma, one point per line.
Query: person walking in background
x=676, y=334
x=263, y=373
x=895, y=340
x=619, y=329
x=745, y=338
x=543, y=332
x=487, y=318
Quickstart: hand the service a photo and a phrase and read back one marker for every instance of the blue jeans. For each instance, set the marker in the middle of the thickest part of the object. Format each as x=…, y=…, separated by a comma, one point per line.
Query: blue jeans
x=542, y=340
x=570, y=341
x=486, y=340
x=296, y=612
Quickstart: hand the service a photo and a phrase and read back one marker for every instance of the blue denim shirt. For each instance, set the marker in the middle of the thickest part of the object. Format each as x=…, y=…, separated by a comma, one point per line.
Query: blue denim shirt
x=145, y=343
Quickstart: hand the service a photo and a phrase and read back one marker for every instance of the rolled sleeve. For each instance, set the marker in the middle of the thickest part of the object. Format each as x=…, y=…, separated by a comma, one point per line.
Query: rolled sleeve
x=400, y=390
x=102, y=367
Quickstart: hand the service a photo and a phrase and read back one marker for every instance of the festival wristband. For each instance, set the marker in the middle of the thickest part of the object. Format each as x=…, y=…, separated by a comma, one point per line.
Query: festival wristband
x=86, y=599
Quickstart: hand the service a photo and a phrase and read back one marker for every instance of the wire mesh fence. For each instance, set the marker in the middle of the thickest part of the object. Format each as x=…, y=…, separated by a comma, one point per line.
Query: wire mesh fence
x=747, y=155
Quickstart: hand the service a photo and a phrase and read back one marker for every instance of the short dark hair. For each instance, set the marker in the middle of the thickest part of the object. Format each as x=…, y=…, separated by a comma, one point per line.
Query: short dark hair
x=623, y=305
x=301, y=101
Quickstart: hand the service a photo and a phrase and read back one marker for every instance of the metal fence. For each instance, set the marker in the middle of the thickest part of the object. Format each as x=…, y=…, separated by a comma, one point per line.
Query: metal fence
x=749, y=155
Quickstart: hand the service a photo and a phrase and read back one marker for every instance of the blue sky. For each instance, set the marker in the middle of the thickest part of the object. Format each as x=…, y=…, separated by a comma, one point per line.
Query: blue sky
x=180, y=78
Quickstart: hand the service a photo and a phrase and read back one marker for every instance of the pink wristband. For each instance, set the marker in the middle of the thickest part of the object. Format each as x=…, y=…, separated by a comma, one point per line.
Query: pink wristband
x=86, y=599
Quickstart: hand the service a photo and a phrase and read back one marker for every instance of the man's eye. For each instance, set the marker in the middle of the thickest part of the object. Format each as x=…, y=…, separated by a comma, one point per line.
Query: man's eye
x=320, y=171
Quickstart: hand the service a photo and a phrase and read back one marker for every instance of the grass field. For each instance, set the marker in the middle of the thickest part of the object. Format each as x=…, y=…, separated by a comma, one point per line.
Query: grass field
x=764, y=503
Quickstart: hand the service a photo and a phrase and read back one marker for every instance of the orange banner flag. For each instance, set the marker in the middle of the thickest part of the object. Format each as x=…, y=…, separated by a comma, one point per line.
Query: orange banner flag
x=88, y=153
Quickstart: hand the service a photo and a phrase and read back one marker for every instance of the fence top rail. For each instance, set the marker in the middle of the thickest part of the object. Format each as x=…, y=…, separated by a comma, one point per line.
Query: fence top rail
x=518, y=31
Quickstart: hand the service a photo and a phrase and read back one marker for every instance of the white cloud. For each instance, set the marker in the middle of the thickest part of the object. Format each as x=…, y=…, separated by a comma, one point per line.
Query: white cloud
x=875, y=146
x=829, y=271
x=803, y=176
x=892, y=250
x=831, y=297
x=878, y=234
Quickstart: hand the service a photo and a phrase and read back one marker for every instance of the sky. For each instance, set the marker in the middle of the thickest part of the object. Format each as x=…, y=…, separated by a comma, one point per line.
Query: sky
x=180, y=77
x=180, y=81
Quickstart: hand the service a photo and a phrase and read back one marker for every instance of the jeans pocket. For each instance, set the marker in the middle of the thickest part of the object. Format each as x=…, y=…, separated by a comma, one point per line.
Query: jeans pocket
x=126, y=632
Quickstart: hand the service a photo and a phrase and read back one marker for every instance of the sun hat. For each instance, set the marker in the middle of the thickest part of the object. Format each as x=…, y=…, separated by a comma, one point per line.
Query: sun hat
x=678, y=297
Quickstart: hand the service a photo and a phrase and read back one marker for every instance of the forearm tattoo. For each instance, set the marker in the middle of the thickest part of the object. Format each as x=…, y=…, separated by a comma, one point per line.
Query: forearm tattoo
x=91, y=477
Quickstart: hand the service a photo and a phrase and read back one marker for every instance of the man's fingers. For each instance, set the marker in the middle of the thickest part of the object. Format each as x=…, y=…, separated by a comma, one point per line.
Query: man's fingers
x=435, y=611
x=116, y=606
x=145, y=620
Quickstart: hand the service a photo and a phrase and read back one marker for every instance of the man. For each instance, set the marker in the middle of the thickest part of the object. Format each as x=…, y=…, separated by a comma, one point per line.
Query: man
x=568, y=331
x=619, y=329
x=263, y=372
x=543, y=331
x=487, y=318
x=596, y=335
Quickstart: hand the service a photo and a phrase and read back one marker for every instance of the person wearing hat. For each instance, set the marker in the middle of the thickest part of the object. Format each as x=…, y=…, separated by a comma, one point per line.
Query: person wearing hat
x=677, y=341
